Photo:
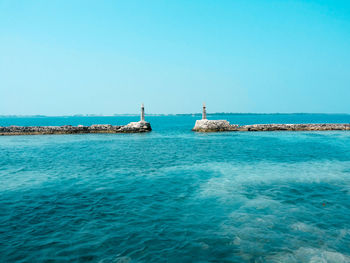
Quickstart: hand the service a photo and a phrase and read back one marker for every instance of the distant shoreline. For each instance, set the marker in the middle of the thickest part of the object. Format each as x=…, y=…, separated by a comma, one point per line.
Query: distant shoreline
x=153, y=114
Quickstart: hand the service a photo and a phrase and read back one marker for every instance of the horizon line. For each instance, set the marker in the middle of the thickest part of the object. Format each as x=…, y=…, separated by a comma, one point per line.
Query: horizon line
x=170, y=114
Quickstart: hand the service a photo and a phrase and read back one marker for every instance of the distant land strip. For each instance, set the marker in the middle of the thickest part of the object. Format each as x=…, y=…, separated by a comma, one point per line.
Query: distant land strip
x=163, y=114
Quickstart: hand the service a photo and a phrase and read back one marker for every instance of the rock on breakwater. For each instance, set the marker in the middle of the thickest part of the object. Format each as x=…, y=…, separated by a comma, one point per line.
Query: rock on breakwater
x=296, y=127
x=132, y=127
x=223, y=125
x=205, y=125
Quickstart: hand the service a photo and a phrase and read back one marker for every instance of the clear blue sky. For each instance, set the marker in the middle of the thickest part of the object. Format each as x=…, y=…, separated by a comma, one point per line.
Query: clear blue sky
x=105, y=57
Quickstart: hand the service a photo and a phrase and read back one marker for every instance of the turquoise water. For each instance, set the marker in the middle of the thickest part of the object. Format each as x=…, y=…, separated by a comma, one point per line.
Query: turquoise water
x=176, y=196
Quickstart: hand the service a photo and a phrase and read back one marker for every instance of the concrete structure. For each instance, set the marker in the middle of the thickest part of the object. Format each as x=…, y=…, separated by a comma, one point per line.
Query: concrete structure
x=142, y=112
x=204, y=113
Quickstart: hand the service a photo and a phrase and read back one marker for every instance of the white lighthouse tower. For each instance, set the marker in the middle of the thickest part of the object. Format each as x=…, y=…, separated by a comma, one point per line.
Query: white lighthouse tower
x=142, y=113
x=204, y=113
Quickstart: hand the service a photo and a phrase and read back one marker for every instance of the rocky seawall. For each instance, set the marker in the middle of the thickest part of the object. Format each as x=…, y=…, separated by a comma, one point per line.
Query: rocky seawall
x=132, y=127
x=223, y=125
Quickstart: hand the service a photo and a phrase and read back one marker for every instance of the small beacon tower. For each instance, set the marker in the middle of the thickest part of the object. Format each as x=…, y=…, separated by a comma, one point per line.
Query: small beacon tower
x=204, y=113
x=142, y=112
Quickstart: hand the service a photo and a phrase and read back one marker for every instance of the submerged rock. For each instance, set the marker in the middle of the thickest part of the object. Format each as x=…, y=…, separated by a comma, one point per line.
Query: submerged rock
x=223, y=125
x=133, y=127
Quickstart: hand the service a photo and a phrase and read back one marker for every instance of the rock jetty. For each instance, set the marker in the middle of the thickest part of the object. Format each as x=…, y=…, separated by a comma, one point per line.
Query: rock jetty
x=223, y=125
x=205, y=125
x=133, y=127
x=213, y=126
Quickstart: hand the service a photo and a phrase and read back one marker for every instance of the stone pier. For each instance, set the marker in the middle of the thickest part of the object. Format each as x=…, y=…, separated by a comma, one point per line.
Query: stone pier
x=133, y=127
x=223, y=125
x=205, y=125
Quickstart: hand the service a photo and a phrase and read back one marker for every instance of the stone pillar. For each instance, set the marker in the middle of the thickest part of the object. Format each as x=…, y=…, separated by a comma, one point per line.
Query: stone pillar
x=204, y=114
x=142, y=112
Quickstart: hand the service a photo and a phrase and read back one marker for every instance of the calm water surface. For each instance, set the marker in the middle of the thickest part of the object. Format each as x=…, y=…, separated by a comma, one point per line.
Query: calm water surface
x=176, y=196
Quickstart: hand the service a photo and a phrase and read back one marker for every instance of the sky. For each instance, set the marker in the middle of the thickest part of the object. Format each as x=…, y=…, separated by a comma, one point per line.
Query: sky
x=63, y=57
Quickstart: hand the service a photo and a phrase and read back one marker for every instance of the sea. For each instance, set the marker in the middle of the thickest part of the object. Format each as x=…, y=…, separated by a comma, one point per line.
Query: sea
x=173, y=195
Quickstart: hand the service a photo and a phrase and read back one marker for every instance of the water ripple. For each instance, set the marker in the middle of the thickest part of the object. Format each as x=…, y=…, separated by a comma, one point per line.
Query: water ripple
x=175, y=196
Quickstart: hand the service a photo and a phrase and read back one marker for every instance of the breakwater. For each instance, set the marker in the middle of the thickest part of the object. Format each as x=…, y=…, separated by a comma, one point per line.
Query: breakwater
x=205, y=125
x=132, y=127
